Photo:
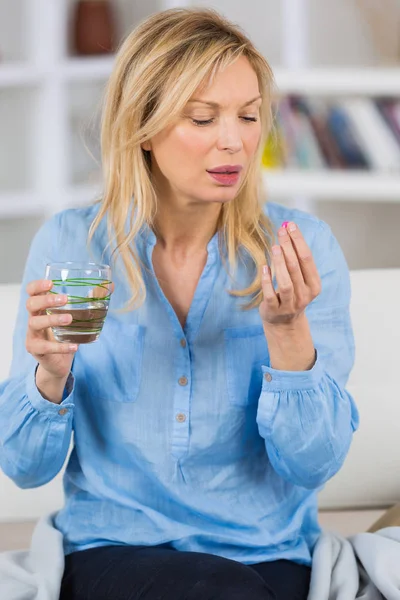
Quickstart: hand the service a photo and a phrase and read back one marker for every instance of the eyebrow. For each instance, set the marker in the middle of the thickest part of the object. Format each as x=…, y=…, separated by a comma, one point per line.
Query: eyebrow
x=216, y=105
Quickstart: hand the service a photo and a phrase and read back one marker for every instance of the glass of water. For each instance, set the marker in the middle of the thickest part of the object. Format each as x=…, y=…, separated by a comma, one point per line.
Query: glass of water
x=88, y=288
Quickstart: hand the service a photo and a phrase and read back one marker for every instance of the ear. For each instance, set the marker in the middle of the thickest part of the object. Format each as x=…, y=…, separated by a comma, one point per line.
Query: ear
x=146, y=146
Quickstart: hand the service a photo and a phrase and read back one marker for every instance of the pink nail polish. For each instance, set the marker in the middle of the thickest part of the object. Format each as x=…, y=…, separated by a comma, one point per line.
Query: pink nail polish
x=285, y=224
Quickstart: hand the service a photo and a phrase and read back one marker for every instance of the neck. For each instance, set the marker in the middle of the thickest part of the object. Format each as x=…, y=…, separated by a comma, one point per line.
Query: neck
x=186, y=231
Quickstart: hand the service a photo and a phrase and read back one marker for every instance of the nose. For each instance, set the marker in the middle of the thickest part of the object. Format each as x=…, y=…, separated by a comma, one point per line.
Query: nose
x=229, y=137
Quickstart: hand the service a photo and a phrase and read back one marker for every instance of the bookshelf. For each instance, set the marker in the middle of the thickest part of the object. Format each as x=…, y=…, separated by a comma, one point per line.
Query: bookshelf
x=340, y=82
x=49, y=96
x=333, y=185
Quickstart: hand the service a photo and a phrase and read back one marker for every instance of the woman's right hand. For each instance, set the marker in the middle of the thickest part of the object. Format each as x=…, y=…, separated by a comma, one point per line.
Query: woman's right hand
x=55, y=358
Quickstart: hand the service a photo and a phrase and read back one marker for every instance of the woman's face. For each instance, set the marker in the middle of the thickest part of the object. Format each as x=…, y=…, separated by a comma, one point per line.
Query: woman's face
x=185, y=152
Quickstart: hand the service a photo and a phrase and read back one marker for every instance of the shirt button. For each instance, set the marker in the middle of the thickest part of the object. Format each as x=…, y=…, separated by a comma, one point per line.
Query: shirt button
x=63, y=411
x=183, y=343
x=182, y=381
x=268, y=376
x=180, y=417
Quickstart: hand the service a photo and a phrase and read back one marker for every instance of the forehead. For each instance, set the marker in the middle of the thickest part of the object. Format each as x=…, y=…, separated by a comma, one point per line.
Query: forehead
x=235, y=84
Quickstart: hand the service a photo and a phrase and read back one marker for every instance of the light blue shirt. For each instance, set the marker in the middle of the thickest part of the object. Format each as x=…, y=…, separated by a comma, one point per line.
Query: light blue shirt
x=180, y=435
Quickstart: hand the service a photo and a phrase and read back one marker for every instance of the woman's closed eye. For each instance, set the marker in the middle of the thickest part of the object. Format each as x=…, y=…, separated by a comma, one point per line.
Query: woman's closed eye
x=208, y=121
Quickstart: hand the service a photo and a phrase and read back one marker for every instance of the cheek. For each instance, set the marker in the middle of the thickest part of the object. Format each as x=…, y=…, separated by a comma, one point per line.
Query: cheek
x=252, y=139
x=190, y=140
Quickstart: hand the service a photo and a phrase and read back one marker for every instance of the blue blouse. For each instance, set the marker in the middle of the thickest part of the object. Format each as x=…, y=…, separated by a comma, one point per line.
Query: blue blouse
x=179, y=436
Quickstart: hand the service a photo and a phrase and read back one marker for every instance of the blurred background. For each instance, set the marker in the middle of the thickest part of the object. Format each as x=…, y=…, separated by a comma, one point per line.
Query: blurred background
x=337, y=149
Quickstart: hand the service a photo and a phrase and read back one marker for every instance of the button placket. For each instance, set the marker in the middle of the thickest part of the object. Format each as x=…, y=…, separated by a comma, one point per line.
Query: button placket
x=180, y=441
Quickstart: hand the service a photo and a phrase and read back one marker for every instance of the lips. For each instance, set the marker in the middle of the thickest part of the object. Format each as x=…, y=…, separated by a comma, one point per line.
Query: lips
x=226, y=178
x=226, y=169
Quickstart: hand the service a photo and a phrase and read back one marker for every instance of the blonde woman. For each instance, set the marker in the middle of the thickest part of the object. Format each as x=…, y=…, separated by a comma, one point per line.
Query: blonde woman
x=213, y=408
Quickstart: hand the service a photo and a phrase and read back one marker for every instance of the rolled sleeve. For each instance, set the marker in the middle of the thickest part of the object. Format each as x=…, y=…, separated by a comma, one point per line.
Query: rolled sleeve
x=275, y=380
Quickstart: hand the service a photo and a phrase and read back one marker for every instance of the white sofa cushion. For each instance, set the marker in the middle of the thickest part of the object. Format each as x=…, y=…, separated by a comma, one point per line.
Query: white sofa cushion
x=369, y=476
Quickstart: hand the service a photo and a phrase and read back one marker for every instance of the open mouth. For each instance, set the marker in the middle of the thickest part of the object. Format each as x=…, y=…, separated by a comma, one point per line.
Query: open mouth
x=226, y=177
x=224, y=172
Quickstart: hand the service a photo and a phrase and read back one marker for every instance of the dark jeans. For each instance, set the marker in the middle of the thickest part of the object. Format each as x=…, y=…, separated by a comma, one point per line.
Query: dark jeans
x=163, y=573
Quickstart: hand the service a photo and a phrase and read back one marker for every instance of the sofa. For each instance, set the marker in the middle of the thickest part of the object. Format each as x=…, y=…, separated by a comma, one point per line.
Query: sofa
x=368, y=483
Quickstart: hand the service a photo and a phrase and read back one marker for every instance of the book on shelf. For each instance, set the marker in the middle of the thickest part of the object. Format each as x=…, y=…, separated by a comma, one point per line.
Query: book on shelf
x=390, y=111
x=315, y=133
x=377, y=139
x=316, y=111
x=308, y=152
x=349, y=145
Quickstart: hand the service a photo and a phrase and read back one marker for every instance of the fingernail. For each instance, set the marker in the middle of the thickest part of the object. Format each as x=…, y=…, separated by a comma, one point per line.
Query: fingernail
x=64, y=319
x=292, y=227
x=276, y=250
x=73, y=347
x=265, y=270
x=285, y=224
x=60, y=299
x=47, y=285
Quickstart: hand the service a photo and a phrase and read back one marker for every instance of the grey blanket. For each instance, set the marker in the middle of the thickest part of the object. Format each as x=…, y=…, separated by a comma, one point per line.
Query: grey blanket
x=365, y=566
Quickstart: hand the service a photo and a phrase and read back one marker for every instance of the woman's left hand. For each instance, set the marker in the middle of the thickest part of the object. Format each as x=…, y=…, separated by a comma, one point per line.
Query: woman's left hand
x=297, y=278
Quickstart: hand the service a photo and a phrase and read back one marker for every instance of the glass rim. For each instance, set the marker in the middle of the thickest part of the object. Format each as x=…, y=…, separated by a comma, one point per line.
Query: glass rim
x=84, y=265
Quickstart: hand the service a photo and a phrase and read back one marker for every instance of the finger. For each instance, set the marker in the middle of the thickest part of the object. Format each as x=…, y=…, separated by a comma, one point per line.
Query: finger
x=283, y=279
x=36, y=304
x=38, y=323
x=291, y=259
x=41, y=348
x=268, y=287
x=39, y=286
x=304, y=254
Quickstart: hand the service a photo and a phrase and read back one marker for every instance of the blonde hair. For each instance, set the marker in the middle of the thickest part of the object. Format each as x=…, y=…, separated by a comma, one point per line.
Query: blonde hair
x=158, y=68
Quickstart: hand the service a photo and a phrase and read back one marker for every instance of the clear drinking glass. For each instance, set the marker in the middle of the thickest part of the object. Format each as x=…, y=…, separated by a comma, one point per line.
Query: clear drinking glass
x=88, y=287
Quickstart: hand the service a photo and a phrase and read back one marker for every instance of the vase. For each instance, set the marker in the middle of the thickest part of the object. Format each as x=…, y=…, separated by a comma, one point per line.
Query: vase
x=94, y=29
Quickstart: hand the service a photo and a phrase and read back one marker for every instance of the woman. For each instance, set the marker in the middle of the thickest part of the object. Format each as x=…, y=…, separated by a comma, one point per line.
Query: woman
x=212, y=409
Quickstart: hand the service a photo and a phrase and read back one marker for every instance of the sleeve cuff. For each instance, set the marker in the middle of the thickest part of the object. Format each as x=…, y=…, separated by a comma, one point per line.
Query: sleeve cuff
x=44, y=406
x=275, y=380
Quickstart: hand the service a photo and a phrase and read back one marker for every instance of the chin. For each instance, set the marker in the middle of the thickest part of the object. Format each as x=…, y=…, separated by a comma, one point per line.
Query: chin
x=223, y=194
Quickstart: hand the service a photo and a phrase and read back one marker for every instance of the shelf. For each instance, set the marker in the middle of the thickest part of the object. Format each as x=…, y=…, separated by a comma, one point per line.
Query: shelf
x=87, y=69
x=279, y=184
x=320, y=81
x=329, y=81
x=332, y=185
x=15, y=205
x=21, y=204
x=74, y=69
x=18, y=74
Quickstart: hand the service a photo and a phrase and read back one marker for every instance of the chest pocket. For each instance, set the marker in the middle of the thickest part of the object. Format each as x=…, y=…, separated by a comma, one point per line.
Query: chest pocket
x=112, y=366
x=246, y=350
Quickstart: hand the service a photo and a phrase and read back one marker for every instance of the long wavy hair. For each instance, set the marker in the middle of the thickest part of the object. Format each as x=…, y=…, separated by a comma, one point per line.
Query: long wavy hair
x=158, y=68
